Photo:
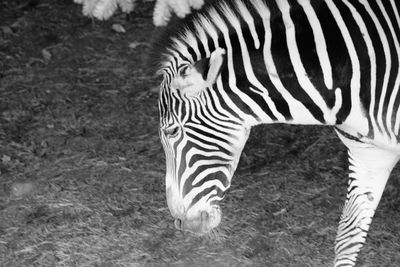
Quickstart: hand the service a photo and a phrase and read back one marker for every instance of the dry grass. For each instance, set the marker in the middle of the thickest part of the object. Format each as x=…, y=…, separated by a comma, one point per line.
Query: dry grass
x=82, y=169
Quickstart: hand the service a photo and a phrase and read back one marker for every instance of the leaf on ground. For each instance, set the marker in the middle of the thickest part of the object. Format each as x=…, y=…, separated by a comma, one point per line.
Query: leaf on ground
x=118, y=28
x=46, y=54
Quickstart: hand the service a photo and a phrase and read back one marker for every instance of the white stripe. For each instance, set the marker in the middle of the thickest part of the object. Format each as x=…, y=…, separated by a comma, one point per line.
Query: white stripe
x=180, y=46
x=189, y=172
x=191, y=41
x=319, y=40
x=173, y=67
x=223, y=117
x=210, y=170
x=248, y=18
x=192, y=109
x=232, y=78
x=298, y=66
x=355, y=64
x=204, y=162
x=208, y=139
x=300, y=114
x=197, y=190
x=210, y=29
x=395, y=90
x=203, y=203
x=226, y=144
x=388, y=61
x=248, y=69
x=215, y=122
x=180, y=109
x=372, y=56
x=202, y=36
x=170, y=172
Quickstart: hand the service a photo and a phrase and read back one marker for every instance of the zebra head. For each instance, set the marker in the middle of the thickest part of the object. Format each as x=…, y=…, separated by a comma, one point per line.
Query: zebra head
x=202, y=140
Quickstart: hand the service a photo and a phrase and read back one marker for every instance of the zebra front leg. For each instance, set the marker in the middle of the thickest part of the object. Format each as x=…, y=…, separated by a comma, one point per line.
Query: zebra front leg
x=370, y=168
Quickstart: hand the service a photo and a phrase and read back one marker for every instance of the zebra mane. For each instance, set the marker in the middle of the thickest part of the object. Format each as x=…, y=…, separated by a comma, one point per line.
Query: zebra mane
x=182, y=38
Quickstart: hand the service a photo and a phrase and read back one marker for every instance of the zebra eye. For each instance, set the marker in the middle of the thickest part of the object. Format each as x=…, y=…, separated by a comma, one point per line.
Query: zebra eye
x=183, y=71
x=171, y=131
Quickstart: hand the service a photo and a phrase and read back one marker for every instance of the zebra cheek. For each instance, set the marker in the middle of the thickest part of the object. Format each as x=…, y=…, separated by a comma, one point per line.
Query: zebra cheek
x=175, y=206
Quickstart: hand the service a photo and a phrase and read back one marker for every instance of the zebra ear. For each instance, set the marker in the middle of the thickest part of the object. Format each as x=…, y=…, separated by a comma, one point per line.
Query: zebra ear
x=202, y=74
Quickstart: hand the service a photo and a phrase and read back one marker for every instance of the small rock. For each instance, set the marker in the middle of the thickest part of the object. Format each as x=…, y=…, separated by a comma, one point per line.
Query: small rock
x=6, y=159
x=46, y=54
x=118, y=28
x=134, y=45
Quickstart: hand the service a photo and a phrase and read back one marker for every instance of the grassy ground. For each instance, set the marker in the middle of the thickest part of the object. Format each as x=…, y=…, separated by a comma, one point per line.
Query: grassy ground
x=82, y=169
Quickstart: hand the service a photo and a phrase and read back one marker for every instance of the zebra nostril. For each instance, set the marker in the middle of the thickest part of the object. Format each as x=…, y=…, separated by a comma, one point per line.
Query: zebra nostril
x=178, y=224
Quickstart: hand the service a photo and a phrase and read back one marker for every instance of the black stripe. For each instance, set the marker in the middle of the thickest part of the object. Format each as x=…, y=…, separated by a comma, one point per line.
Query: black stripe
x=380, y=61
x=205, y=142
x=394, y=58
x=211, y=103
x=216, y=176
x=223, y=101
x=192, y=53
x=204, y=193
x=260, y=70
x=308, y=52
x=201, y=47
x=237, y=64
x=242, y=81
x=205, y=118
x=280, y=53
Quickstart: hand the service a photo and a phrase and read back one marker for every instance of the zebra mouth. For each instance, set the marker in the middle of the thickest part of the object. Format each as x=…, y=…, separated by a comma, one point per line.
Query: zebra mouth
x=214, y=217
x=209, y=220
x=203, y=223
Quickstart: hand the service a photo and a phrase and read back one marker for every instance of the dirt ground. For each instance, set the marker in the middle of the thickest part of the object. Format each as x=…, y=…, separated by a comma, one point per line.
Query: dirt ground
x=82, y=168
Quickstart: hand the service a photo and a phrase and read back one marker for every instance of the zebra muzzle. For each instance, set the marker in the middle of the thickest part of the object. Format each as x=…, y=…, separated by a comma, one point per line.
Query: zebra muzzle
x=203, y=223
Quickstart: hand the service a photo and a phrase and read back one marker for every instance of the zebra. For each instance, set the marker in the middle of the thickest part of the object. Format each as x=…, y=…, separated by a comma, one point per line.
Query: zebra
x=237, y=64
